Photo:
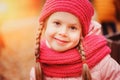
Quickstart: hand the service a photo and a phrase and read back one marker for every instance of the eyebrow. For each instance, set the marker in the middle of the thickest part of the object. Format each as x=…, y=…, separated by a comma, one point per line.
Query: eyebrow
x=75, y=23
x=70, y=23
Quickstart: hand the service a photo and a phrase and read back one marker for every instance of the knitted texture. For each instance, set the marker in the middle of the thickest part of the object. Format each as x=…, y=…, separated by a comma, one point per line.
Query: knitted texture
x=80, y=8
x=69, y=63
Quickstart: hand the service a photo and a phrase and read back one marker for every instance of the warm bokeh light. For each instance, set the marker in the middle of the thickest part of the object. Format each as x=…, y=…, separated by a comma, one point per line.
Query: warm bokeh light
x=19, y=8
x=18, y=24
x=3, y=11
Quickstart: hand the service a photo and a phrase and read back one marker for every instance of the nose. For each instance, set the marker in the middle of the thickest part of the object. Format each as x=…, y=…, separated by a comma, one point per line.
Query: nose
x=63, y=31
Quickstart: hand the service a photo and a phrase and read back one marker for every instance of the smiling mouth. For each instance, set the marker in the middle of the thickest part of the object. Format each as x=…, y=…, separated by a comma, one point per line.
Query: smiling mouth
x=60, y=41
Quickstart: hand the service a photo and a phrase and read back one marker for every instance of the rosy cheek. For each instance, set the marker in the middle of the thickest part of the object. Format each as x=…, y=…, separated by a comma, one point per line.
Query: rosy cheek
x=77, y=38
x=48, y=33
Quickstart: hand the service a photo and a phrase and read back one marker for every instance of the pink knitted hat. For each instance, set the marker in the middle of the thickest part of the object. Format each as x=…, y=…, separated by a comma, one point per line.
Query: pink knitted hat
x=80, y=8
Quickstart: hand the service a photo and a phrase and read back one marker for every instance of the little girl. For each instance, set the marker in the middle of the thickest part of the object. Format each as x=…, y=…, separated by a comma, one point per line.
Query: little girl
x=66, y=51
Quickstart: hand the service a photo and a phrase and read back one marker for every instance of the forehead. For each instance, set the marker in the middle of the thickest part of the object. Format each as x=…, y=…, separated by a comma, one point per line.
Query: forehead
x=65, y=16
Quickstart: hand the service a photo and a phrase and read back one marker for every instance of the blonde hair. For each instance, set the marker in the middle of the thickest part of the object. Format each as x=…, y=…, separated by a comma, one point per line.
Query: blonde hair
x=86, y=75
x=38, y=71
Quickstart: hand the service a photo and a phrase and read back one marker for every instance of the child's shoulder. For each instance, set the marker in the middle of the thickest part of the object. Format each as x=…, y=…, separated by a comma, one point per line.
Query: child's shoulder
x=107, y=68
x=108, y=61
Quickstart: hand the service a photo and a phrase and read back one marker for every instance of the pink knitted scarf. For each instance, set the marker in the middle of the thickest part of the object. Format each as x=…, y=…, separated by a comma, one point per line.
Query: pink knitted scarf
x=68, y=63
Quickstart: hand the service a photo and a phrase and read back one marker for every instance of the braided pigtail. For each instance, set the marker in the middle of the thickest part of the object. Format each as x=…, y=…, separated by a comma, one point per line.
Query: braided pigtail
x=85, y=70
x=38, y=71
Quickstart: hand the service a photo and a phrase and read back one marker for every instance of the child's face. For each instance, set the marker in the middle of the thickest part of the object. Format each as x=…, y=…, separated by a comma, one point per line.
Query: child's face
x=63, y=31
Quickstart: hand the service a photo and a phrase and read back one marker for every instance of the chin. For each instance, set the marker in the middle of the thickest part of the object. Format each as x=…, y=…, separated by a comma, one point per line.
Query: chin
x=59, y=50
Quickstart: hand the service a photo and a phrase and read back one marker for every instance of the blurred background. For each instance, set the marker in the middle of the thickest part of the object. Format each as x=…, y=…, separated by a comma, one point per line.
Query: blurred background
x=18, y=25
x=107, y=13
